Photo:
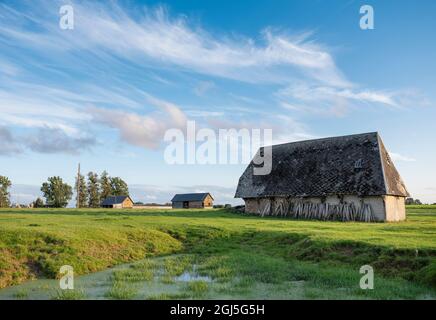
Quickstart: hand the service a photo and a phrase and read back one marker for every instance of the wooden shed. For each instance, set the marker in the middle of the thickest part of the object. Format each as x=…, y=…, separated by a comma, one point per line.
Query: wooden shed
x=192, y=200
x=347, y=178
x=117, y=202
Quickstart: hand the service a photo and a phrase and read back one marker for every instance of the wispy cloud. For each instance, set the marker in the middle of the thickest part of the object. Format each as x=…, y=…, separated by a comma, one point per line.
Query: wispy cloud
x=108, y=29
x=330, y=100
x=400, y=157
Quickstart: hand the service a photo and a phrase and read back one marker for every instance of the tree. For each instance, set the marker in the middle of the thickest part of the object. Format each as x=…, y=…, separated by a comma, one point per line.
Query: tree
x=93, y=190
x=119, y=187
x=112, y=186
x=410, y=201
x=82, y=192
x=5, y=184
x=38, y=203
x=56, y=192
x=105, y=185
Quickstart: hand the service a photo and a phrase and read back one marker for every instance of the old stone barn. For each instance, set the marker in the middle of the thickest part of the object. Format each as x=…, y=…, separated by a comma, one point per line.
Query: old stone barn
x=348, y=178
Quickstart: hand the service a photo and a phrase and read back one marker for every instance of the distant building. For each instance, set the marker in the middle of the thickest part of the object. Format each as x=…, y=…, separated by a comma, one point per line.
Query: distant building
x=192, y=200
x=348, y=178
x=117, y=202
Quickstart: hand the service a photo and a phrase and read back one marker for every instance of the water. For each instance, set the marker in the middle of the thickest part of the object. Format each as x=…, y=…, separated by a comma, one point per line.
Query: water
x=96, y=285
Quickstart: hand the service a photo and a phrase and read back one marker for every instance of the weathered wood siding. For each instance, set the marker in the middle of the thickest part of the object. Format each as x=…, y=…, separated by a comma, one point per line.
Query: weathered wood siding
x=195, y=204
x=127, y=203
x=344, y=208
x=177, y=205
x=208, y=202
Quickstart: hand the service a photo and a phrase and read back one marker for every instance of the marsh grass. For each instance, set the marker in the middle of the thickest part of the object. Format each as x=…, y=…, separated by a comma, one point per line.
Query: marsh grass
x=167, y=279
x=21, y=295
x=176, y=265
x=169, y=296
x=198, y=288
x=147, y=264
x=122, y=291
x=129, y=275
x=76, y=294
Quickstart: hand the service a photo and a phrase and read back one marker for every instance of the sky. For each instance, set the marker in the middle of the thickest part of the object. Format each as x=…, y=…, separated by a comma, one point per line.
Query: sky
x=106, y=92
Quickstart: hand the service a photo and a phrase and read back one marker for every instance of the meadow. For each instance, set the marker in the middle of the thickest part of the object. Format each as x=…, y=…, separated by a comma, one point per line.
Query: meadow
x=228, y=255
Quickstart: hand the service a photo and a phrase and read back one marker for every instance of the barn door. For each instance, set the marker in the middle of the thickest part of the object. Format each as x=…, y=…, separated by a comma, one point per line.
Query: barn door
x=185, y=204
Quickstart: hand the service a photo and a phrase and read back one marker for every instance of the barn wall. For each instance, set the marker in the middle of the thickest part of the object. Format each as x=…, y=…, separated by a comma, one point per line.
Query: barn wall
x=375, y=202
x=208, y=202
x=395, y=208
x=373, y=206
x=177, y=205
x=252, y=205
x=196, y=204
x=127, y=203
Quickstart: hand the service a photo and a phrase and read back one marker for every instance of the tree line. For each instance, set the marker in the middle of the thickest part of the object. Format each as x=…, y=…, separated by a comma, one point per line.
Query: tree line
x=90, y=191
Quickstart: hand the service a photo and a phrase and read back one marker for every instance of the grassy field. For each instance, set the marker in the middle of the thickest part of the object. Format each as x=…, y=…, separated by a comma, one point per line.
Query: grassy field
x=245, y=256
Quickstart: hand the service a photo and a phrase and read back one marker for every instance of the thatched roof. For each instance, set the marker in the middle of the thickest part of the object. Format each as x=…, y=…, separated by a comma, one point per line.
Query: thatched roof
x=348, y=165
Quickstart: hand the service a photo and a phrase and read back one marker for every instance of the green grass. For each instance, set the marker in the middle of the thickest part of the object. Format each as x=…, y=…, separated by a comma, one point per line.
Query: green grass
x=243, y=254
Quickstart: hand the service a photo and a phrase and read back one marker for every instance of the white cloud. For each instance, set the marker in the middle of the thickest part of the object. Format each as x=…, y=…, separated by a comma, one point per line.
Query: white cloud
x=142, y=130
x=338, y=101
x=399, y=157
x=305, y=92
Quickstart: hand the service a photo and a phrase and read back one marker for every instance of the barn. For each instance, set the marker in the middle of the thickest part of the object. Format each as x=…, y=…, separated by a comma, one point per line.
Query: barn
x=117, y=202
x=347, y=178
x=192, y=200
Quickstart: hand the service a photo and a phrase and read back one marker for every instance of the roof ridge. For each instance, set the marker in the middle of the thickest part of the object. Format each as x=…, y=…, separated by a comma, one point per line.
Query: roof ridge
x=327, y=138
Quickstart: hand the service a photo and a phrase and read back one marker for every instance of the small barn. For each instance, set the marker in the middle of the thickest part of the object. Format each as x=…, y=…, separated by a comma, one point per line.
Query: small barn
x=117, y=202
x=192, y=200
x=347, y=178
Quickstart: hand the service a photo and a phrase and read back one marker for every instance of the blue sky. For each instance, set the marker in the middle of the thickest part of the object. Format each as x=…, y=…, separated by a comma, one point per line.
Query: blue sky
x=104, y=93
